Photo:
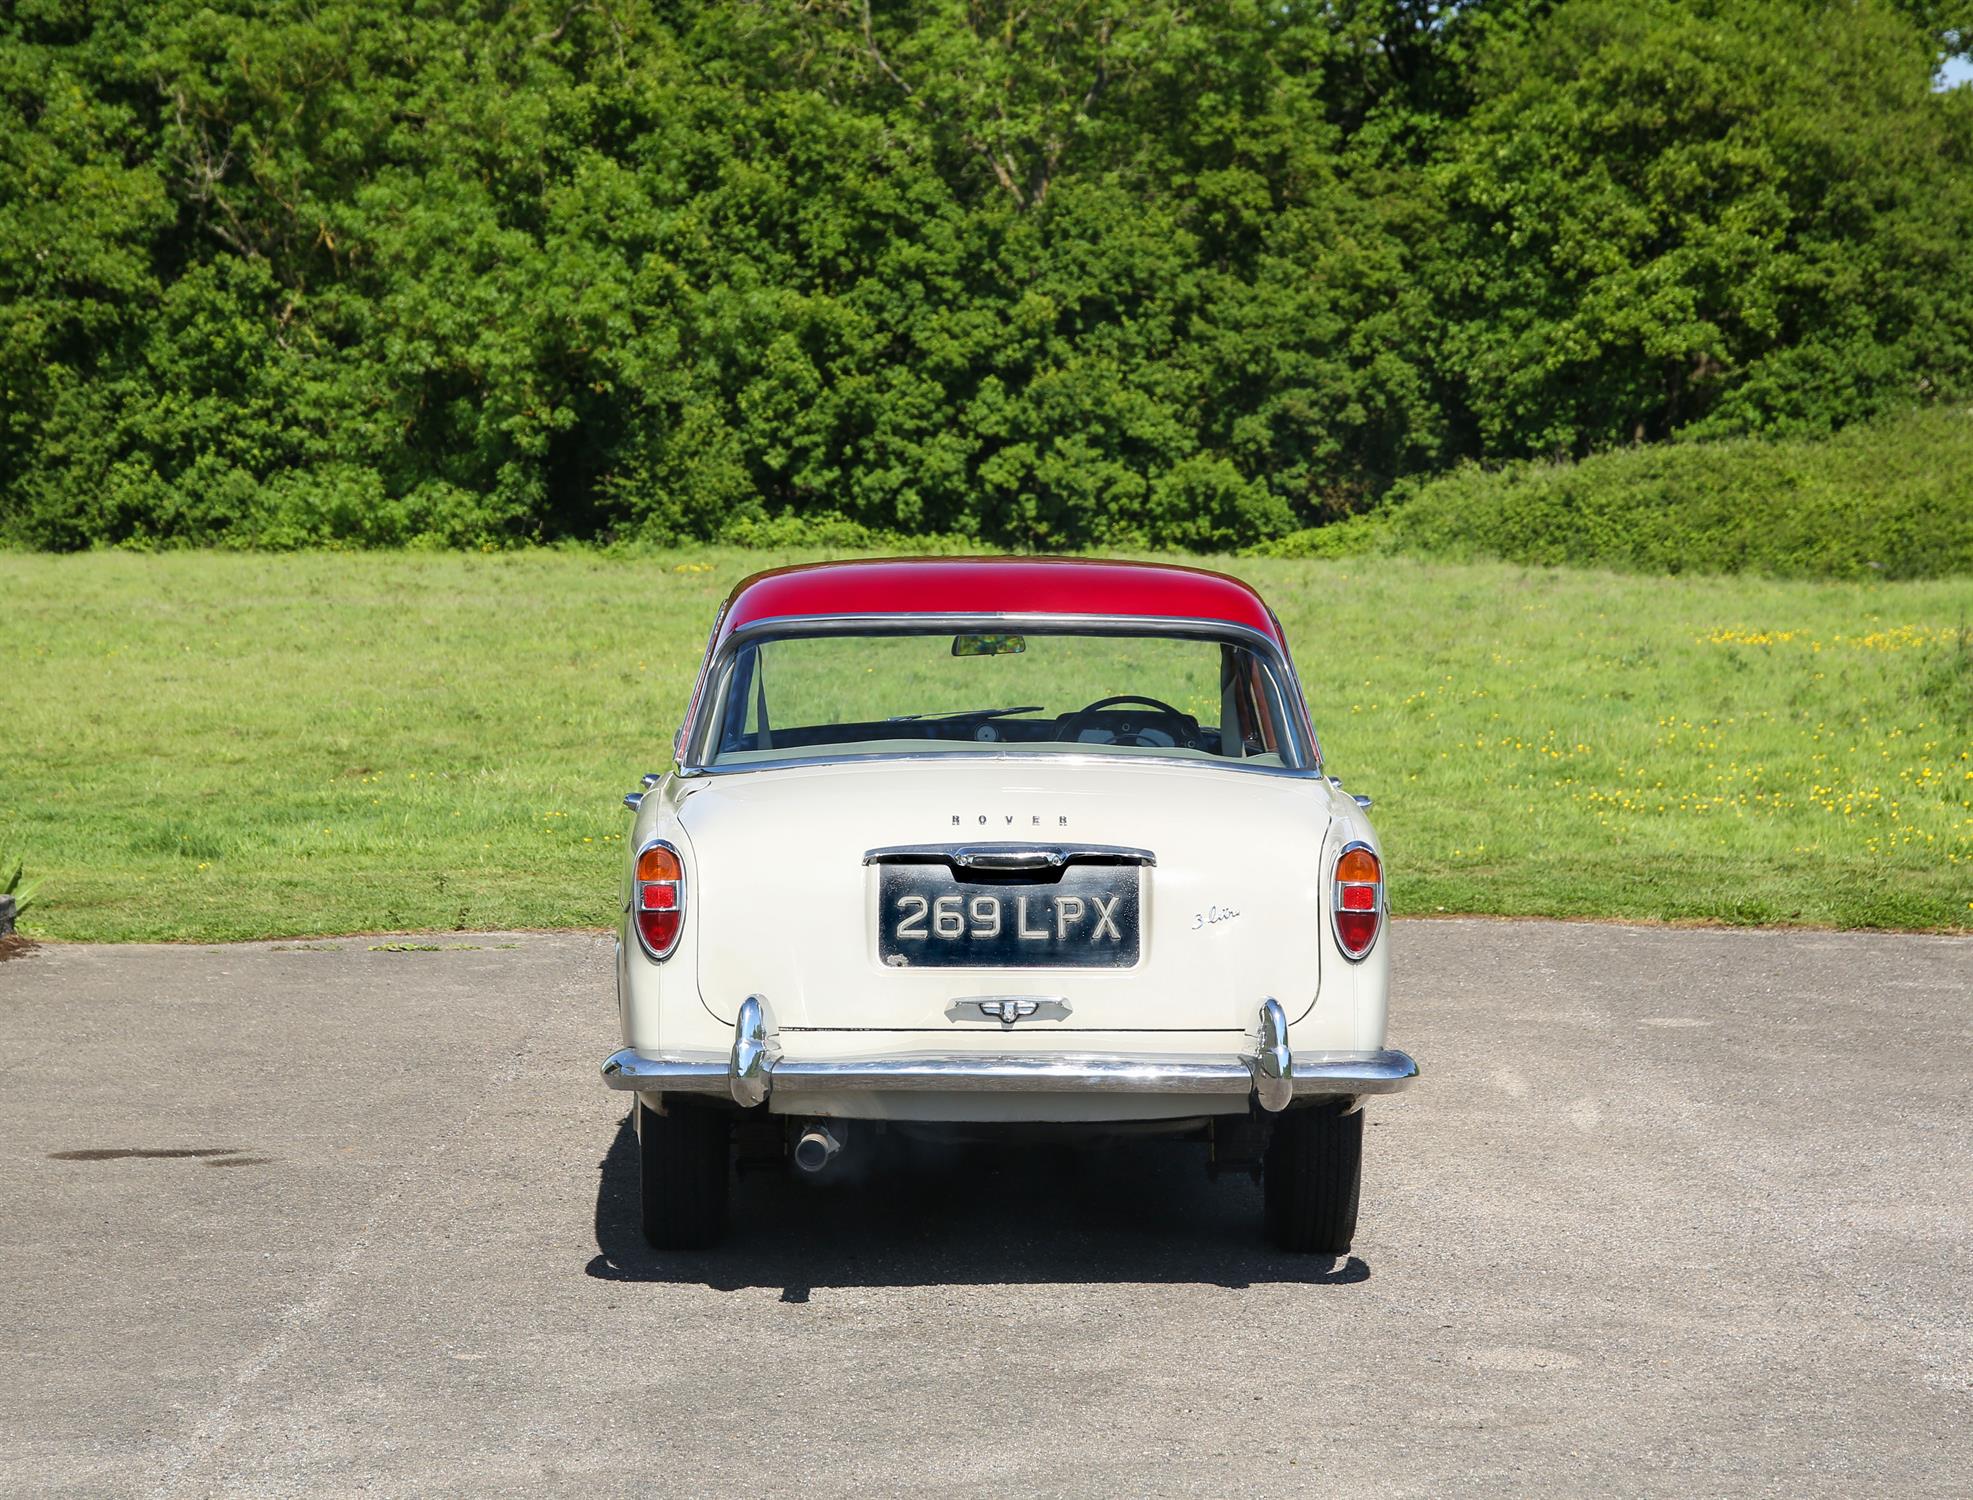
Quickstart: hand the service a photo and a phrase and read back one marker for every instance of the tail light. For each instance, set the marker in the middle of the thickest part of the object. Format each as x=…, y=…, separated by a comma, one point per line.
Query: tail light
x=657, y=899
x=1357, y=908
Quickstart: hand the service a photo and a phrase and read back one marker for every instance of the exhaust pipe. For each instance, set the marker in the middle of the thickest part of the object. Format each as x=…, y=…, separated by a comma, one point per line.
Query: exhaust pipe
x=816, y=1147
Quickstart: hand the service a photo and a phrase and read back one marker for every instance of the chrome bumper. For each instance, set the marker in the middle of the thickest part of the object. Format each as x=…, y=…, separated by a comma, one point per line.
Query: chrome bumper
x=1270, y=1071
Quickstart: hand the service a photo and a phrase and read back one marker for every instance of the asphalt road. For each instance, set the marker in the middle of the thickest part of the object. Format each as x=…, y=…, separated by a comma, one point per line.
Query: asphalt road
x=1671, y=1213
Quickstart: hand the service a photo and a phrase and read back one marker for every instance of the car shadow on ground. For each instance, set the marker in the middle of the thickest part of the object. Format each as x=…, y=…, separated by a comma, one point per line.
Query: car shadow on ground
x=913, y=1215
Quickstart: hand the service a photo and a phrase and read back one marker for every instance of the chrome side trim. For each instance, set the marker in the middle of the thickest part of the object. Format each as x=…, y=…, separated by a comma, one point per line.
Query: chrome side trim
x=1009, y=856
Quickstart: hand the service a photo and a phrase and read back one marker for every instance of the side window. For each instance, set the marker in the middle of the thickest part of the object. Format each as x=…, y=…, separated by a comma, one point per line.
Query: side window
x=1240, y=730
x=688, y=724
x=740, y=726
x=1260, y=692
x=1250, y=706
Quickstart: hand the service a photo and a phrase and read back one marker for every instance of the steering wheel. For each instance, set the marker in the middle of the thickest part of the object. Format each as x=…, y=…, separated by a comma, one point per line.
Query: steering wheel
x=1072, y=726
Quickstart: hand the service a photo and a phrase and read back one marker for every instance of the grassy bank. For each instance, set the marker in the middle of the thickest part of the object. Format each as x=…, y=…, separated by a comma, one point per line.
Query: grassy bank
x=1888, y=500
x=207, y=746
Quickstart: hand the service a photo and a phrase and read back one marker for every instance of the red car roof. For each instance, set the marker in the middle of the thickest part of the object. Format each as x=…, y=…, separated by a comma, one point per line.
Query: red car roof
x=998, y=585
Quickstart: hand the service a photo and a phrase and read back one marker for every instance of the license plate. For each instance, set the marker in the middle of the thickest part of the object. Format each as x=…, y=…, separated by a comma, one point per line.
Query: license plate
x=927, y=917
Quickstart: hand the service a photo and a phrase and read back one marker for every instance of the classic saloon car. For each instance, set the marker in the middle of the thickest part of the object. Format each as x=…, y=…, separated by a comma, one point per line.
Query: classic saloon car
x=1000, y=845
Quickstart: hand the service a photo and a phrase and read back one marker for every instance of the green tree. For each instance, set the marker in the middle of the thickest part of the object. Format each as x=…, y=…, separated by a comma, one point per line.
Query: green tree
x=1739, y=216
x=276, y=273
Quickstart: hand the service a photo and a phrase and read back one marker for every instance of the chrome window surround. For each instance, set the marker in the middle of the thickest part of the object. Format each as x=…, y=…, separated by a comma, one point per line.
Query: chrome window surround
x=698, y=687
x=1301, y=699
x=1336, y=901
x=696, y=736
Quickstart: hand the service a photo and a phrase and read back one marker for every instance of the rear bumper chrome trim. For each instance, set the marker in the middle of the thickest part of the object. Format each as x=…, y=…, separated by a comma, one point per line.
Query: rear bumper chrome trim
x=757, y=1067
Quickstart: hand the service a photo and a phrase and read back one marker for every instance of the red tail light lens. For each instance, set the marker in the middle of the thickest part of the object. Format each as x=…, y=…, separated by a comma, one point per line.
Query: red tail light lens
x=1358, y=905
x=658, y=900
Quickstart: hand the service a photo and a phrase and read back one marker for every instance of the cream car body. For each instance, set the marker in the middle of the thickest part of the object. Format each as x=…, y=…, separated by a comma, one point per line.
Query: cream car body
x=1219, y=935
x=778, y=1007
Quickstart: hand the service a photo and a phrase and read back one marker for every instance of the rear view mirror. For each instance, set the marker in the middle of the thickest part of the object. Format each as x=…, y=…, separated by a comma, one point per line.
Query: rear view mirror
x=984, y=644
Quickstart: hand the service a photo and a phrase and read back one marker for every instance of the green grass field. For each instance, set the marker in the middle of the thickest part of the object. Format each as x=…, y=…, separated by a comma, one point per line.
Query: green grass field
x=205, y=746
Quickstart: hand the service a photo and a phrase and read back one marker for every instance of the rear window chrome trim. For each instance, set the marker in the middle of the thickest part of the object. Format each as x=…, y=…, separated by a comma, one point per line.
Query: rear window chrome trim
x=1002, y=760
x=694, y=737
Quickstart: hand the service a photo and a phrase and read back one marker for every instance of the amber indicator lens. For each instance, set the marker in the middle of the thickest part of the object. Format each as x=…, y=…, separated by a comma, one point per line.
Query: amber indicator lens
x=1358, y=864
x=658, y=864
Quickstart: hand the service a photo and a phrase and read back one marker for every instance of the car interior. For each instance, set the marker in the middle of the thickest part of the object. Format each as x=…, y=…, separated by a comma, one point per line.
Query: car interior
x=759, y=722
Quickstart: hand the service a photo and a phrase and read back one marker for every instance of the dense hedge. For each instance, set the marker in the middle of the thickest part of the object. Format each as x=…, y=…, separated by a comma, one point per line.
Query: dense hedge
x=1113, y=271
x=1894, y=499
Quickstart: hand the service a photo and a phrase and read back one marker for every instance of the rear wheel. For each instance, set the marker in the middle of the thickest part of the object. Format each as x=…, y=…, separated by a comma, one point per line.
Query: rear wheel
x=1309, y=1182
x=684, y=1155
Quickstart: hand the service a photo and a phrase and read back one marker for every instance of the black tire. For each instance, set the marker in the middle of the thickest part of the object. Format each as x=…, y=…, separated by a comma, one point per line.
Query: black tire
x=685, y=1160
x=1309, y=1183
